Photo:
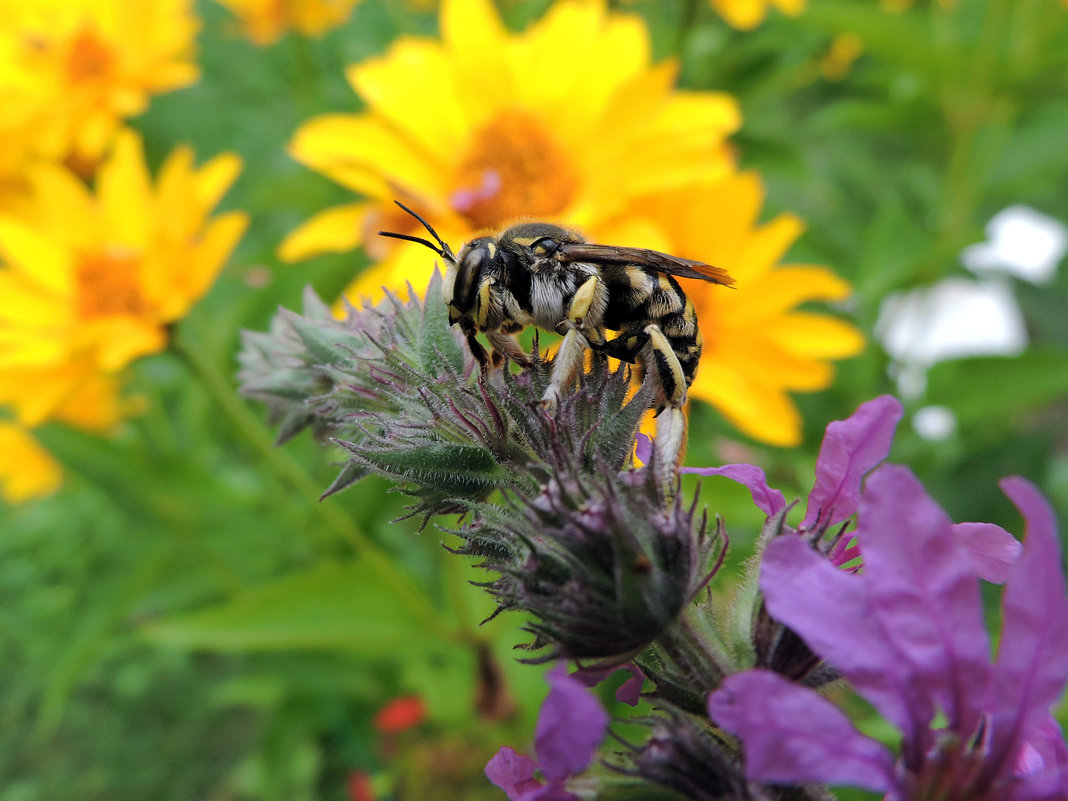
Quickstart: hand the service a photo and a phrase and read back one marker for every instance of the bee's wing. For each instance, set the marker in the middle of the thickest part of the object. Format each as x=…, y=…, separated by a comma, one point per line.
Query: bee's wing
x=653, y=259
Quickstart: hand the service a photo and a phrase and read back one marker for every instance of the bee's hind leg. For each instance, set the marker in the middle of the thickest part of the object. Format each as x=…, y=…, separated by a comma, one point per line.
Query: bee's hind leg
x=669, y=380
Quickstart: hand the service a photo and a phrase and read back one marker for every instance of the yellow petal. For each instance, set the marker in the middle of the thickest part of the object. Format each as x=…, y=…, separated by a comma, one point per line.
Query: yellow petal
x=742, y=14
x=25, y=305
x=64, y=206
x=217, y=243
x=117, y=341
x=215, y=178
x=474, y=37
x=409, y=264
x=27, y=470
x=369, y=157
x=778, y=291
x=94, y=403
x=35, y=257
x=125, y=190
x=766, y=247
x=335, y=230
x=605, y=53
x=764, y=413
x=415, y=74
x=816, y=336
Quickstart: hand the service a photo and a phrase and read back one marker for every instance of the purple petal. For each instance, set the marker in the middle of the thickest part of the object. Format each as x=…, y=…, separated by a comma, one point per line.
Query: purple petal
x=832, y=612
x=791, y=734
x=992, y=548
x=1033, y=654
x=768, y=500
x=846, y=551
x=1042, y=764
x=628, y=693
x=1048, y=786
x=513, y=773
x=570, y=726
x=643, y=448
x=925, y=594
x=851, y=448
x=1044, y=749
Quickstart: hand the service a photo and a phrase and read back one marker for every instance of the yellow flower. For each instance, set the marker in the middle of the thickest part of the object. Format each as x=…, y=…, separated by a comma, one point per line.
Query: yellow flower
x=264, y=21
x=567, y=121
x=90, y=281
x=836, y=63
x=27, y=471
x=72, y=70
x=757, y=345
x=748, y=14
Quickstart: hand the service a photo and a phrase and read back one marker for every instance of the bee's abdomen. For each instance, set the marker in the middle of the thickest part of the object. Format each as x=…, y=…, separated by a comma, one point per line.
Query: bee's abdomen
x=638, y=297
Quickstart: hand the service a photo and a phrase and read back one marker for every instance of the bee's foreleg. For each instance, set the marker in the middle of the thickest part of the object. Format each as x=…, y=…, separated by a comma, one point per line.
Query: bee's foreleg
x=504, y=343
x=477, y=351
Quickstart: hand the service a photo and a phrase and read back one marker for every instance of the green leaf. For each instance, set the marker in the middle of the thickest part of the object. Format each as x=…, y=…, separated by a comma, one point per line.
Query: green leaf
x=343, y=606
x=994, y=388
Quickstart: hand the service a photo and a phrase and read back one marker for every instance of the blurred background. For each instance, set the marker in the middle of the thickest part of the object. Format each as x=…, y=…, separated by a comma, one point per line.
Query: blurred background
x=180, y=617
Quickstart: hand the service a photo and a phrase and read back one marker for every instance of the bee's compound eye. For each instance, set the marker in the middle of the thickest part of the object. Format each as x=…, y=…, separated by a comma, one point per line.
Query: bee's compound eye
x=467, y=278
x=545, y=246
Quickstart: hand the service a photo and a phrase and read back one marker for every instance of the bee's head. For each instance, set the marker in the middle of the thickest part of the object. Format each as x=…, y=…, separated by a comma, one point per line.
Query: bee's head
x=539, y=240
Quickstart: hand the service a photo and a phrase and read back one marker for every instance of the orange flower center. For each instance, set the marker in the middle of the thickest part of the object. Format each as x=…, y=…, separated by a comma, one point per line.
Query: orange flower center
x=107, y=284
x=89, y=57
x=513, y=168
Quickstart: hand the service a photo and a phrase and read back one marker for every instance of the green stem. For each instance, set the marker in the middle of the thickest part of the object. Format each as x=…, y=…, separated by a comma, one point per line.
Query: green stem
x=977, y=120
x=249, y=427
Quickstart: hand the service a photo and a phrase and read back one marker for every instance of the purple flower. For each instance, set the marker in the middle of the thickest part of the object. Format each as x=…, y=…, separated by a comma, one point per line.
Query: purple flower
x=570, y=727
x=851, y=449
x=909, y=635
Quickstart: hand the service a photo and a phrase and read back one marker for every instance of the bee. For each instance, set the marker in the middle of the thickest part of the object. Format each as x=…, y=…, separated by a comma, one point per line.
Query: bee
x=544, y=275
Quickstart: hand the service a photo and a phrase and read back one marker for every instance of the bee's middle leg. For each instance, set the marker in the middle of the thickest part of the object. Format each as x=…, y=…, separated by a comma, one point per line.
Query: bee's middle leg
x=581, y=330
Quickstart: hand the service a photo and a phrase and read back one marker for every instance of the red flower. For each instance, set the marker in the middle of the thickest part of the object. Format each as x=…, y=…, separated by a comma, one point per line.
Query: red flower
x=400, y=714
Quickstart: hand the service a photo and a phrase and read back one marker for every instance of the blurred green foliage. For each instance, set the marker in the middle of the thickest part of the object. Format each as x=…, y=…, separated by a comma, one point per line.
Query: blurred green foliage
x=185, y=620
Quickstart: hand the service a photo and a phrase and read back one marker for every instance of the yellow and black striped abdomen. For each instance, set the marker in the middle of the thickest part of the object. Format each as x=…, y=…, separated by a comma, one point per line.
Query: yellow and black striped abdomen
x=638, y=297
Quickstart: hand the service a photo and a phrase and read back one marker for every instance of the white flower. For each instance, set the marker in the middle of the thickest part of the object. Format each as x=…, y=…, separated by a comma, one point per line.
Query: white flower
x=934, y=423
x=953, y=319
x=1022, y=242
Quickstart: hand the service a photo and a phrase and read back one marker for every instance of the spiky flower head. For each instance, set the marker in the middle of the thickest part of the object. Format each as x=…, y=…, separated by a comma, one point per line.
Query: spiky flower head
x=600, y=557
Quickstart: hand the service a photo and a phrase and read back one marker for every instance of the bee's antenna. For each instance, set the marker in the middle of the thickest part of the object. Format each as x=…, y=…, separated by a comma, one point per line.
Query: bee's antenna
x=442, y=249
